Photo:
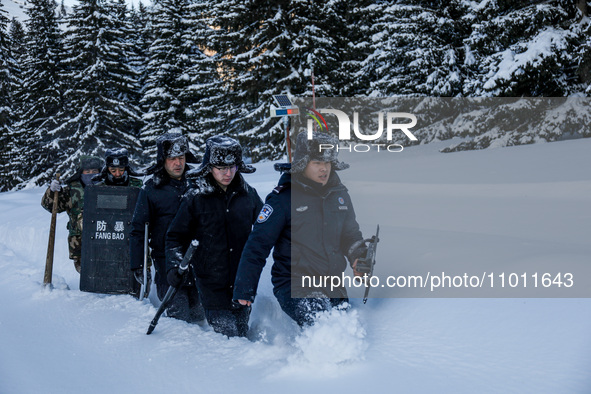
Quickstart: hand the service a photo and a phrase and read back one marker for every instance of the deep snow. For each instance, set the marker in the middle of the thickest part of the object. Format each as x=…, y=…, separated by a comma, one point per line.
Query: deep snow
x=506, y=206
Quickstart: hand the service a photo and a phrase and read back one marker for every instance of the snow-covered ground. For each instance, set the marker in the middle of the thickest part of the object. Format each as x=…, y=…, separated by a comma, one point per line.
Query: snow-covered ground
x=502, y=208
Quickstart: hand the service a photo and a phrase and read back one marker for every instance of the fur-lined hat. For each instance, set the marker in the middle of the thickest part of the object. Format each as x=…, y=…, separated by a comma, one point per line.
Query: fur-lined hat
x=222, y=151
x=167, y=146
x=173, y=145
x=86, y=163
x=117, y=157
x=309, y=150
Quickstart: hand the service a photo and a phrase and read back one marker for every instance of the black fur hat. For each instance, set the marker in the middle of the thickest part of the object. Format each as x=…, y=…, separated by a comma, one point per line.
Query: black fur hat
x=222, y=151
x=169, y=145
x=86, y=163
x=308, y=150
x=90, y=163
x=173, y=145
x=118, y=157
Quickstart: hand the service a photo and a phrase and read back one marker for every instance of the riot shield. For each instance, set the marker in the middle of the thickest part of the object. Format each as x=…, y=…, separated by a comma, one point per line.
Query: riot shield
x=108, y=211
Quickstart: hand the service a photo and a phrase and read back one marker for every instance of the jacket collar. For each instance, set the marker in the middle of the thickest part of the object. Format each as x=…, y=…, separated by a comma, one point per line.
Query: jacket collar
x=334, y=184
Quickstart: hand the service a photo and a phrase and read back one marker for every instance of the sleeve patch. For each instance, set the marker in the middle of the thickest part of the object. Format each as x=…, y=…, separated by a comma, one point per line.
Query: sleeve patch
x=266, y=212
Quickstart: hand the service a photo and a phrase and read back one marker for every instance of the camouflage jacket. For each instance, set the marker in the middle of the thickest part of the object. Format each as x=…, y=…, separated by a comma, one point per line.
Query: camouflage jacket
x=70, y=199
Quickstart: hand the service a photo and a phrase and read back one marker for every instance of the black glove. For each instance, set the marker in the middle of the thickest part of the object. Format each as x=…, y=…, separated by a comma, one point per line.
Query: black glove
x=138, y=274
x=174, y=278
x=362, y=267
x=357, y=251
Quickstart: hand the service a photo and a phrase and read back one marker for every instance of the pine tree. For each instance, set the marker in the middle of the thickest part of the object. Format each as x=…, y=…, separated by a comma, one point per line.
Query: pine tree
x=175, y=73
x=417, y=48
x=271, y=48
x=63, y=12
x=99, y=114
x=525, y=49
x=129, y=92
x=250, y=37
x=356, y=70
x=17, y=36
x=8, y=86
x=41, y=94
x=207, y=91
x=141, y=37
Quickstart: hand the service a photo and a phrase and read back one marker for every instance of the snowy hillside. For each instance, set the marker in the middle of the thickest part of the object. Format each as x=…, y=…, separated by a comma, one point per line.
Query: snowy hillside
x=506, y=206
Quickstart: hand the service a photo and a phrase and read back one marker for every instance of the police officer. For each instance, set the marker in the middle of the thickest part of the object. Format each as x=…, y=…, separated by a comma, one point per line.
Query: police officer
x=157, y=205
x=117, y=171
x=71, y=200
x=310, y=222
x=219, y=214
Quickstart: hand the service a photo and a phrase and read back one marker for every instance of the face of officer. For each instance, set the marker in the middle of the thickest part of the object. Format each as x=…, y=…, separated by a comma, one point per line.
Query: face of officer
x=117, y=172
x=318, y=171
x=175, y=166
x=87, y=175
x=223, y=175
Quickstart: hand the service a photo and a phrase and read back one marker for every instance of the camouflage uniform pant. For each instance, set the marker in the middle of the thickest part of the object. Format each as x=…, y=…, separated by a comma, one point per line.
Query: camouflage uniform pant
x=75, y=246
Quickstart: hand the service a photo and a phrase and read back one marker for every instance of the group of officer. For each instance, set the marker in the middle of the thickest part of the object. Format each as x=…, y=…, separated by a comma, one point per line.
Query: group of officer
x=215, y=206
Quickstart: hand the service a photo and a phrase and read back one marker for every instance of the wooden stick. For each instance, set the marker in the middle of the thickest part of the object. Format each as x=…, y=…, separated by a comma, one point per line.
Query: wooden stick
x=51, y=243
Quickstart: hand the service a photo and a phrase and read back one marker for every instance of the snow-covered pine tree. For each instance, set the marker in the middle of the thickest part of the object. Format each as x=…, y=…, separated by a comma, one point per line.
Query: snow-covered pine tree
x=17, y=36
x=416, y=48
x=8, y=85
x=17, y=42
x=355, y=70
x=526, y=48
x=141, y=37
x=63, y=12
x=270, y=48
x=169, y=92
x=99, y=114
x=128, y=92
x=207, y=91
x=40, y=97
x=239, y=23
x=382, y=71
x=348, y=45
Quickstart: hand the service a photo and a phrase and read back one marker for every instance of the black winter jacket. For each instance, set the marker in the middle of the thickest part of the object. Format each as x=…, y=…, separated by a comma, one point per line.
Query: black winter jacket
x=312, y=229
x=221, y=222
x=157, y=205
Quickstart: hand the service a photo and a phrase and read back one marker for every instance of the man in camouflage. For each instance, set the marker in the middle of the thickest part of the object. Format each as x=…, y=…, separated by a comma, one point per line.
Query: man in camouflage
x=71, y=200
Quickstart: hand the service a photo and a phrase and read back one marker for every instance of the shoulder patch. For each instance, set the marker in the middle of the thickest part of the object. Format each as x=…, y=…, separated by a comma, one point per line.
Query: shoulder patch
x=265, y=213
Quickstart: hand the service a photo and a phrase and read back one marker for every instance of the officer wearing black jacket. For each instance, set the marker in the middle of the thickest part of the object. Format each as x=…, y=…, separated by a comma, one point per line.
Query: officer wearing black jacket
x=310, y=222
x=218, y=213
x=157, y=205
